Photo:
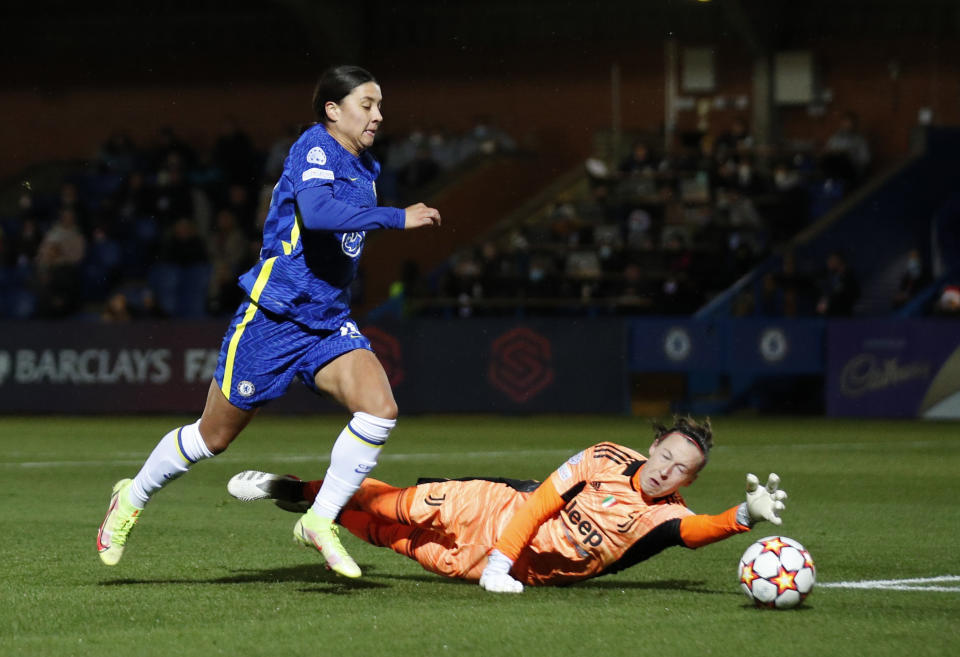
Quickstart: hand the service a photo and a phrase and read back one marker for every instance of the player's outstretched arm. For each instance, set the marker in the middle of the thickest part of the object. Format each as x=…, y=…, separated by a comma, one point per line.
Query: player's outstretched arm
x=419, y=215
x=764, y=503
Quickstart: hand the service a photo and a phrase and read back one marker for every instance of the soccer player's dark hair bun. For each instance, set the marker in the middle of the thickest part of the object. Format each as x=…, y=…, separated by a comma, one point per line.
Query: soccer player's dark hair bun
x=701, y=433
x=335, y=84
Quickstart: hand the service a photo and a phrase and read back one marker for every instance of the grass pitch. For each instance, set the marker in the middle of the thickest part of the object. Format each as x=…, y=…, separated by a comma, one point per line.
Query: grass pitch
x=205, y=575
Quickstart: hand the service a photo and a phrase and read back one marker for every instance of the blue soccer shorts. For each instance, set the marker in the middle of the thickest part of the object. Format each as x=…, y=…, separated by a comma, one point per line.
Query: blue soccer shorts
x=262, y=353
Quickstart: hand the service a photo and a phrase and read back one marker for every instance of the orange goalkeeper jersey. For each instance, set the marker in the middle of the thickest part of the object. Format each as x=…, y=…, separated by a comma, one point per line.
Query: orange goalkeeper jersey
x=607, y=523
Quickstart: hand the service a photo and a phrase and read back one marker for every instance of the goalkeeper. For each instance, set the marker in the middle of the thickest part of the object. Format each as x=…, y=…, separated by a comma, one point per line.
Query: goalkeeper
x=605, y=509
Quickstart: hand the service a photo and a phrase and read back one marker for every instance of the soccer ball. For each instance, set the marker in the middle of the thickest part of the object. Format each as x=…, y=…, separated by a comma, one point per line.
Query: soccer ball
x=776, y=571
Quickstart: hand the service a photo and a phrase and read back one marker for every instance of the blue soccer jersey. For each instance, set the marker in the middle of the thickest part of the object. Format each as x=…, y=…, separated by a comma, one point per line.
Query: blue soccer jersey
x=313, y=236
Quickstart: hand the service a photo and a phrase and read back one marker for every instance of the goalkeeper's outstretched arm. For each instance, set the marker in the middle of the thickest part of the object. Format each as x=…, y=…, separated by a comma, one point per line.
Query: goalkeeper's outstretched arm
x=761, y=504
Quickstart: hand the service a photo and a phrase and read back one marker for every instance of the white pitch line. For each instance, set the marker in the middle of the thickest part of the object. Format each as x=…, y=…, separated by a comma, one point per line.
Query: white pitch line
x=446, y=456
x=907, y=584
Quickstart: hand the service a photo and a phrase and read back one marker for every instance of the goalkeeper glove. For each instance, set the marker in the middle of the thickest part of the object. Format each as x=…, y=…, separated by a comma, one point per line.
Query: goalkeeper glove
x=496, y=576
x=762, y=503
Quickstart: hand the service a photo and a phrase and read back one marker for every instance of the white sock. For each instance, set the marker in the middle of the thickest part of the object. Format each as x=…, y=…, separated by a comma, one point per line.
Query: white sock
x=353, y=456
x=172, y=456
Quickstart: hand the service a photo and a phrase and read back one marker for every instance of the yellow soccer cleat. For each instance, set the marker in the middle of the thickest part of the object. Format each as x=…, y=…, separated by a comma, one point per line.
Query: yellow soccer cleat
x=322, y=533
x=120, y=519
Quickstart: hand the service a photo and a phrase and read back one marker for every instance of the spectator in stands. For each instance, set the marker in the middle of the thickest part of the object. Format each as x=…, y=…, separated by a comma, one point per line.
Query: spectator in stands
x=466, y=274
x=58, y=267
x=69, y=199
x=564, y=221
x=788, y=292
x=632, y=294
x=23, y=232
x=116, y=310
x=118, y=154
x=134, y=198
x=583, y=272
x=169, y=143
x=609, y=247
x=496, y=271
x=234, y=156
x=542, y=277
x=183, y=245
x=144, y=305
x=443, y=149
x=748, y=181
x=174, y=197
x=243, y=205
x=598, y=207
x=639, y=223
x=736, y=140
x=136, y=225
x=847, y=152
x=640, y=161
x=745, y=222
x=914, y=278
x=25, y=243
x=839, y=289
x=792, y=206
x=63, y=244
x=229, y=253
x=102, y=265
x=486, y=138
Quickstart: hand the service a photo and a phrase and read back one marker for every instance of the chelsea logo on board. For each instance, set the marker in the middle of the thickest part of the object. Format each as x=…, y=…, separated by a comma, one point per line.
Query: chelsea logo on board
x=352, y=243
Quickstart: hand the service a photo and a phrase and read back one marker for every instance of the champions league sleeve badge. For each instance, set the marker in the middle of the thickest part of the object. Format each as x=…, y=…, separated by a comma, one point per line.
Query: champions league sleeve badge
x=316, y=156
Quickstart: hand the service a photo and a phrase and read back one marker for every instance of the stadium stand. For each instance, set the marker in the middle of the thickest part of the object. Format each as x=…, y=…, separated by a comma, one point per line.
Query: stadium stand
x=661, y=233
x=715, y=224
x=165, y=229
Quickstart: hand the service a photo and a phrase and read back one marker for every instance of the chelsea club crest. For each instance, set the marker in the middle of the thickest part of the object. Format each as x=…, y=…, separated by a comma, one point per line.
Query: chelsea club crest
x=352, y=243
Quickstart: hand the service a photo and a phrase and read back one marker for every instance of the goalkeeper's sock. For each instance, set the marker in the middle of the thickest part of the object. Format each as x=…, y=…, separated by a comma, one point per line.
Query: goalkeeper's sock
x=172, y=456
x=382, y=500
x=402, y=539
x=353, y=457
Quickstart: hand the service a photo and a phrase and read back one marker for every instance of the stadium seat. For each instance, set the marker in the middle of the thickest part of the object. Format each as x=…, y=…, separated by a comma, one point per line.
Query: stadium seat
x=163, y=279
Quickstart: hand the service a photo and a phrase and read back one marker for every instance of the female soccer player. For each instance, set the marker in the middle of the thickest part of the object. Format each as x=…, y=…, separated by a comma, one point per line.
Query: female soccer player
x=603, y=510
x=295, y=322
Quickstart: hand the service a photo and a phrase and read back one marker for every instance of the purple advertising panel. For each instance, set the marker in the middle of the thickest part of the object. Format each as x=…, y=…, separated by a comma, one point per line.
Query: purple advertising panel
x=80, y=367
x=893, y=368
x=433, y=366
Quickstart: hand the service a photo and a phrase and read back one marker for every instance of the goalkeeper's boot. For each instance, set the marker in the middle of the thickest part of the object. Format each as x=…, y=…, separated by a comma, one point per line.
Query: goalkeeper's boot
x=119, y=521
x=286, y=491
x=322, y=533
